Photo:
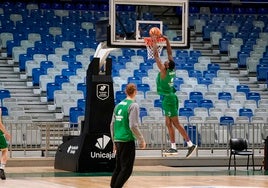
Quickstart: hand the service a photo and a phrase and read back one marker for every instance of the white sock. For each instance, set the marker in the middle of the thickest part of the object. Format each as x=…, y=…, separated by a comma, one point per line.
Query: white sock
x=189, y=143
x=2, y=166
x=173, y=146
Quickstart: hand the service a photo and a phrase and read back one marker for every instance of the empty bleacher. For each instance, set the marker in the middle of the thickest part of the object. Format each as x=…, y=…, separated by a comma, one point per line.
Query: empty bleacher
x=46, y=50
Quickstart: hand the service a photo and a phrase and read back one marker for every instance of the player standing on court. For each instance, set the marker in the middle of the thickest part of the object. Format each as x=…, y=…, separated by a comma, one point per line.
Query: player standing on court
x=170, y=103
x=4, y=136
x=124, y=132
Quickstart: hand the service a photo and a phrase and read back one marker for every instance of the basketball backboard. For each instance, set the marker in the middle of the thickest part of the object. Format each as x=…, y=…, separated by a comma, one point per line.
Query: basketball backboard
x=130, y=22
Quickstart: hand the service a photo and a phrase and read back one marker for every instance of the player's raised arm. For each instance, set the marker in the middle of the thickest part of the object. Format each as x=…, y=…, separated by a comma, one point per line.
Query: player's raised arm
x=156, y=55
x=169, y=49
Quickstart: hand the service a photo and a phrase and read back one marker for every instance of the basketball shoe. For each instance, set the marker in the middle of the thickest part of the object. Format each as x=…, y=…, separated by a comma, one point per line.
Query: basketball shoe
x=191, y=150
x=171, y=151
x=2, y=174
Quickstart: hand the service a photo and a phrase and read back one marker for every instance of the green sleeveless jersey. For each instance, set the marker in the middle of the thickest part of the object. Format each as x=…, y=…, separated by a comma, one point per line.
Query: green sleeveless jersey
x=165, y=86
x=122, y=130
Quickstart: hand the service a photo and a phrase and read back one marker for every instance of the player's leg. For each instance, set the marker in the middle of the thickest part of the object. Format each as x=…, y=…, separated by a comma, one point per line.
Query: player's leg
x=126, y=160
x=171, y=130
x=182, y=131
x=171, y=133
x=3, y=163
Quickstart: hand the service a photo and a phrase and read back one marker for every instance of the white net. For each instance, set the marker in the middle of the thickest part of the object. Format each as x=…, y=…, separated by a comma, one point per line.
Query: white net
x=149, y=45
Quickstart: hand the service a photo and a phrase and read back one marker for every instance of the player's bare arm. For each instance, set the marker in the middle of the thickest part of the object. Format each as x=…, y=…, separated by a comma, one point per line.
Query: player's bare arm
x=169, y=49
x=159, y=63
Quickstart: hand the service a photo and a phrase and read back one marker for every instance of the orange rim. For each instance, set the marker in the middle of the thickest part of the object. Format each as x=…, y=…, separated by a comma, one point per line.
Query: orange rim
x=148, y=41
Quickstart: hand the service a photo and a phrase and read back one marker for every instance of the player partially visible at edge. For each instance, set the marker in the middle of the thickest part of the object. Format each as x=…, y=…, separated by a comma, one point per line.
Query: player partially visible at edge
x=170, y=103
x=4, y=136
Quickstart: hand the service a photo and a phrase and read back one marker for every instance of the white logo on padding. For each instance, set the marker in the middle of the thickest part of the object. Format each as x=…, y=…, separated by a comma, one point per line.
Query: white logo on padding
x=102, y=91
x=102, y=142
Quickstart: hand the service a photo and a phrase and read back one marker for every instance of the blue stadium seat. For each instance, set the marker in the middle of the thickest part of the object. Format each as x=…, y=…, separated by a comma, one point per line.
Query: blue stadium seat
x=10, y=44
x=51, y=87
x=192, y=60
x=4, y=93
x=226, y=120
x=75, y=65
x=187, y=66
x=223, y=45
x=135, y=80
x=227, y=10
x=242, y=59
x=253, y=96
x=264, y=59
x=187, y=112
x=68, y=72
x=207, y=29
x=36, y=72
x=210, y=74
x=190, y=104
x=44, y=5
x=193, y=134
x=262, y=70
x=193, y=9
x=115, y=72
x=68, y=6
x=46, y=64
x=129, y=52
x=59, y=79
x=123, y=59
x=146, y=66
x=216, y=10
x=196, y=95
x=4, y=111
x=140, y=73
x=123, y=87
x=22, y=60
x=225, y=96
x=120, y=95
x=207, y=103
x=203, y=80
x=158, y=103
x=195, y=53
x=177, y=82
x=195, y=73
x=105, y=7
x=246, y=112
x=118, y=65
x=82, y=87
x=243, y=88
x=68, y=58
x=57, y=6
x=214, y=66
x=143, y=112
x=182, y=53
x=262, y=10
x=142, y=52
x=81, y=103
x=75, y=112
x=143, y=87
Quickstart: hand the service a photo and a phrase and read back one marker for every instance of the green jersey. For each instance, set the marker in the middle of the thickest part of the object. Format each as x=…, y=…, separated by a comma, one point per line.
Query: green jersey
x=122, y=131
x=166, y=86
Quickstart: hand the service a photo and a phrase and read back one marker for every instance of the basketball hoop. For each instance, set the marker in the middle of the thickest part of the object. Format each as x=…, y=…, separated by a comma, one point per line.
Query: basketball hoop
x=161, y=42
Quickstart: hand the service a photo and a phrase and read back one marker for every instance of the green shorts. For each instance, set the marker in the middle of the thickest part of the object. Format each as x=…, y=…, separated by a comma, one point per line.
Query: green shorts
x=170, y=105
x=3, y=142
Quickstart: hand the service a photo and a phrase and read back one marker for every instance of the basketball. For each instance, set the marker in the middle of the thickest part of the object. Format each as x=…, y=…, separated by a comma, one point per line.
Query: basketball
x=155, y=31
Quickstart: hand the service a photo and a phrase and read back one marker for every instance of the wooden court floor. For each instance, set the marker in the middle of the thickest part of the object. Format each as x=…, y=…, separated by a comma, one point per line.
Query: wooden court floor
x=142, y=177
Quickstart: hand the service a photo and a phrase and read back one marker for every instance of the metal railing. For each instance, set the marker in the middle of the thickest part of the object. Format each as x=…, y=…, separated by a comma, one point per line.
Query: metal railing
x=47, y=136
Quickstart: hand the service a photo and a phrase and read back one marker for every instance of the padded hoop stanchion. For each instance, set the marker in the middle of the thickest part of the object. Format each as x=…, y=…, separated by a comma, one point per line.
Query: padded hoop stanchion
x=149, y=45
